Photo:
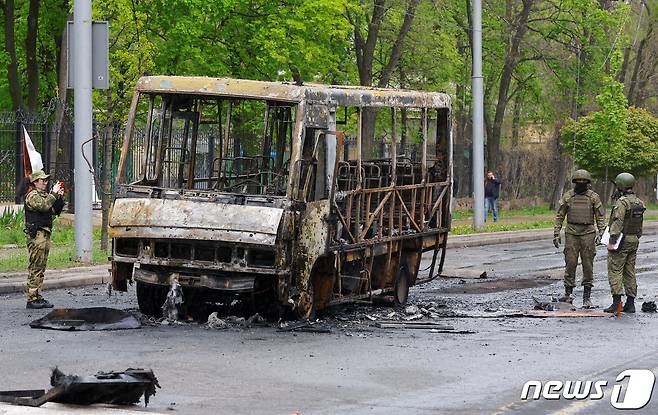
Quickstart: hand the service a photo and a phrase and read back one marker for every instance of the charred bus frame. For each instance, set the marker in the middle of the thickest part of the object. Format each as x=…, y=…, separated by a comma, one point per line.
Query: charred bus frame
x=308, y=220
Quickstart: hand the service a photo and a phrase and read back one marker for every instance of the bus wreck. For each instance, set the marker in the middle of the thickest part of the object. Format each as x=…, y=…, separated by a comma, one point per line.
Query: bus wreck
x=276, y=192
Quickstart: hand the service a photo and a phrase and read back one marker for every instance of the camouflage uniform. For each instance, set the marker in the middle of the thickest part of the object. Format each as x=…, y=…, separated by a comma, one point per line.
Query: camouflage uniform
x=626, y=217
x=38, y=237
x=581, y=211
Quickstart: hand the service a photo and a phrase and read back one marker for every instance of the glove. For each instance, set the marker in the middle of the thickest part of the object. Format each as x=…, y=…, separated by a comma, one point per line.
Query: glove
x=57, y=187
x=557, y=241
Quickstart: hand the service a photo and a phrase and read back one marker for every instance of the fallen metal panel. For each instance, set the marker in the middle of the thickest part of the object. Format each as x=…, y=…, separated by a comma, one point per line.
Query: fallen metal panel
x=119, y=388
x=186, y=219
x=565, y=313
x=85, y=319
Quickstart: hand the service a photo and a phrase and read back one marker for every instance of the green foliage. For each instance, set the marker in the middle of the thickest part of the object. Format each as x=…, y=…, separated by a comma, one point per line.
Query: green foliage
x=616, y=137
x=501, y=227
x=12, y=225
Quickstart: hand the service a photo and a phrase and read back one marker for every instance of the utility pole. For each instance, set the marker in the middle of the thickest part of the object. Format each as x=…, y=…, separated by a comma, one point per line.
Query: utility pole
x=478, y=119
x=83, y=128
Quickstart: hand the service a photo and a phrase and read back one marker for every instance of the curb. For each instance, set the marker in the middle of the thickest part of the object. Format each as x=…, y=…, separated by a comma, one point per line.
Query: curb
x=58, y=278
x=99, y=274
x=493, y=238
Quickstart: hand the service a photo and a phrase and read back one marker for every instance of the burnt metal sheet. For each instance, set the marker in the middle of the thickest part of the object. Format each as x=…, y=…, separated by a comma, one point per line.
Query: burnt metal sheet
x=332, y=95
x=235, y=282
x=118, y=388
x=184, y=219
x=86, y=319
x=221, y=87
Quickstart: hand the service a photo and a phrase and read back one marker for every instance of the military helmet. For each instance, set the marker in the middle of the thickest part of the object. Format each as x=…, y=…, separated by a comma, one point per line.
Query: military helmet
x=581, y=174
x=39, y=174
x=625, y=180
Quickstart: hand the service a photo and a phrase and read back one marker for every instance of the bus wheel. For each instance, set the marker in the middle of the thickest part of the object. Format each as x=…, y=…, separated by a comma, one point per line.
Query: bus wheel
x=402, y=281
x=151, y=297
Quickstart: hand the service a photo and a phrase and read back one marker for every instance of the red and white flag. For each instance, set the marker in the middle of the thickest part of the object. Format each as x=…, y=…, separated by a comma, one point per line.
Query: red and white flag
x=31, y=157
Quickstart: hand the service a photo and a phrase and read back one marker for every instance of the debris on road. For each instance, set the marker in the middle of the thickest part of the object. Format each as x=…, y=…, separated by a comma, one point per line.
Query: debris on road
x=649, y=307
x=218, y=323
x=86, y=319
x=174, y=298
x=544, y=305
x=117, y=388
x=412, y=325
x=304, y=326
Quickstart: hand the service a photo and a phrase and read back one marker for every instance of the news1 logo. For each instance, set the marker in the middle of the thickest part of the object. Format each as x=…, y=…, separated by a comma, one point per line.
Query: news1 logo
x=637, y=392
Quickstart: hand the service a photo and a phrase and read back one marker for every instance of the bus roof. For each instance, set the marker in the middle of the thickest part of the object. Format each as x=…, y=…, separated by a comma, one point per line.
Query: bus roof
x=340, y=95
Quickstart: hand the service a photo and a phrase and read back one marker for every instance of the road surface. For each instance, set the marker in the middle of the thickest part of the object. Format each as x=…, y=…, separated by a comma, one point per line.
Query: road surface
x=359, y=368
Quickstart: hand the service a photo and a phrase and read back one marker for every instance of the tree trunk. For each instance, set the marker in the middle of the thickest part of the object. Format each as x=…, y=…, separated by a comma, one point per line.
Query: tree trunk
x=365, y=58
x=106, y=200
x=639, y=59
x=31, y=57
x=10, y=47
x=511, y=60
x=560, y=165
x=516, y=120
x=60, y=109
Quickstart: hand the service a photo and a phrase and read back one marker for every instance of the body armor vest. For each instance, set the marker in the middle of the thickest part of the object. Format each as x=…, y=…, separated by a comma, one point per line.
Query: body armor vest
x=35, y=220
x=580, y=211
x=634, y=216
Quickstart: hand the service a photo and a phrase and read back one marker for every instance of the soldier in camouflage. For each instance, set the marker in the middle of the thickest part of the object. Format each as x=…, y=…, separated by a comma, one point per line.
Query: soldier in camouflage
x=583, y=210
x=626, y=223
x=40, y=206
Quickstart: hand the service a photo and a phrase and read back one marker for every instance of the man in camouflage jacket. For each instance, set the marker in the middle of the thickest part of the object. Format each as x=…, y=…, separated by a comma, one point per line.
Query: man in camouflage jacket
x=626, y=223
x=583, y=210
x=40, y=206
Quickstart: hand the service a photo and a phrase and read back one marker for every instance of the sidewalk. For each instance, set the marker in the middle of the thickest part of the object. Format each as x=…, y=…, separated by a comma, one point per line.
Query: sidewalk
x=100, y=274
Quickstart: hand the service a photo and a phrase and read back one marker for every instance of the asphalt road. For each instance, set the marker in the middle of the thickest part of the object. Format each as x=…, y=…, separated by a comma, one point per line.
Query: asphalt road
x=359, y=368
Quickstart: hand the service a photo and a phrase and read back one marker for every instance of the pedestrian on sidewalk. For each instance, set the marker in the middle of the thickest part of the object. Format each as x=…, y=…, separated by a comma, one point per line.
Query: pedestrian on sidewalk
x=584, y=212
x=491, y=194
x=625, y=223
x=40, y=207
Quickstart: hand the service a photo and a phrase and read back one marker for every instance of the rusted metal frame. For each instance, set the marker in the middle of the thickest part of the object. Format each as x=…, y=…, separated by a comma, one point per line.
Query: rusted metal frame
x=225, y=144
x=404, y=207
x=414, y=193
x=314, y=155
x=220, y=135
x=399, y=188
x=394, y=139
x=265, y=147
x=380, y=223
x=296, y=146
x=195, y=137
x=121, y=170
x=345, y=225
x=438, y=202
x=359, y=176
x=371, y=217
x=423, y=164
x=167, y=103
x=183, y=154
x=147, y=138
x=368, y=242
x=371, y=260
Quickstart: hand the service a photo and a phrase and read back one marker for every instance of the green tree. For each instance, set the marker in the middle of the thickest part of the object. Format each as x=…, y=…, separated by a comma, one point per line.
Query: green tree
x=616, y=138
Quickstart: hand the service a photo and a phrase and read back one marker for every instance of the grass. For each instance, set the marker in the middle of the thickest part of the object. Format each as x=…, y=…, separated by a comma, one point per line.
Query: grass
x=527, y=211
x=62, y=251
x=501, y=227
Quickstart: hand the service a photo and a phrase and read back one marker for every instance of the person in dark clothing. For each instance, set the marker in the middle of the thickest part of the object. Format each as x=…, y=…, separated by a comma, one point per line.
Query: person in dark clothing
x=491, y=194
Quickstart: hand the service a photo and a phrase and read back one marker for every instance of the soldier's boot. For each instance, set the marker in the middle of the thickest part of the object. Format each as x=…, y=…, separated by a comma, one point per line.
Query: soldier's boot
x=616, y=301
x=37, y=304
x=629, y=307
x=587, y=292
x=568, y=297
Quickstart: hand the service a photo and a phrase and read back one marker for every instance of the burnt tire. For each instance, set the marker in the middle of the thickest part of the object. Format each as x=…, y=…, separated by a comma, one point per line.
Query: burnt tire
x=402, y=282
x=150, y=298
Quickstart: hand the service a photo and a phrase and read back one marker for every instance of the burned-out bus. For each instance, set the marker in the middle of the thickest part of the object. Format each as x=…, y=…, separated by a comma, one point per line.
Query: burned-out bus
x=294, y=196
